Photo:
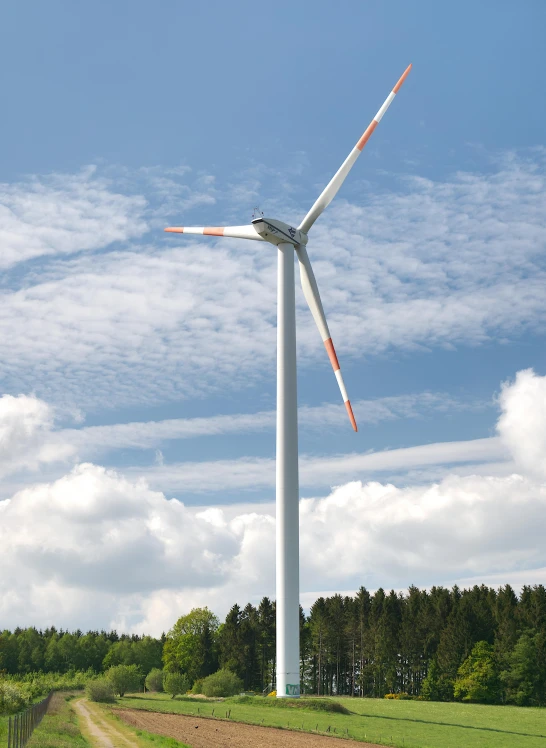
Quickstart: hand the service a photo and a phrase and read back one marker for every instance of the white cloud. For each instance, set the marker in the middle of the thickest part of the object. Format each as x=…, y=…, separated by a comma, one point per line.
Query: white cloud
x=462, y=526
x=29, y=440
x=26, y=441
x=522, y=425
x=138, y=326
x=142, y=560
x=445, y=263
x=259, y=472
x=92, y=440
x=93, y=531
x=96, y=548
x=64, y=213
x=437, y=263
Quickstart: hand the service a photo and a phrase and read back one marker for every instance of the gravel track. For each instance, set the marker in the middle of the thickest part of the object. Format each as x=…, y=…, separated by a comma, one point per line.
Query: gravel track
x=102, y=734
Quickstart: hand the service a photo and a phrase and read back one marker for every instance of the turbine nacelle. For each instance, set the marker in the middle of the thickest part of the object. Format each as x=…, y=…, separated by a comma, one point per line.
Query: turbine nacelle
x=278, y=232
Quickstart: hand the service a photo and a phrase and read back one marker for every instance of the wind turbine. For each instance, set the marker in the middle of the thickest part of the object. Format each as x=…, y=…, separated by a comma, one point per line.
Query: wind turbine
x=289, y=239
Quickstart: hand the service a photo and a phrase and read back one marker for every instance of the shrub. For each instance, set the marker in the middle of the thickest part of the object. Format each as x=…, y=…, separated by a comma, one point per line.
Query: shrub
x=222, y=683
x=175, y=683
x=154, y=680
x=273, y=694
x=402, y=696
x=197, y=687
x=12, y=698
x=100, y=689
x=124, y=678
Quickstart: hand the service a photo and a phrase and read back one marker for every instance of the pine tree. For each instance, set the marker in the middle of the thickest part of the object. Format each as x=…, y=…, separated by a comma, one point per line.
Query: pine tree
x=266, y=642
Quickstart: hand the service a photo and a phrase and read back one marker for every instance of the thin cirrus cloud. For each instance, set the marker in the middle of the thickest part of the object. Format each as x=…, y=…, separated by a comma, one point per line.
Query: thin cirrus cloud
x=430, y=264
x=32, y=447
x=63, y=214
x=250, y=473
x=93, y=440
x=65, y=561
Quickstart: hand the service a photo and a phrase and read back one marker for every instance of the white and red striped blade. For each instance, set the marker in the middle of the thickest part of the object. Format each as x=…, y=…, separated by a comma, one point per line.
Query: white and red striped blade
x=235, y=232
x=312, y=296
x=337, y=180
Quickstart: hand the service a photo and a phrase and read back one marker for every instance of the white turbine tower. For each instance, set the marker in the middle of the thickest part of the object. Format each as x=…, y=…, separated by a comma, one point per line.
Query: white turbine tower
x=287, y=239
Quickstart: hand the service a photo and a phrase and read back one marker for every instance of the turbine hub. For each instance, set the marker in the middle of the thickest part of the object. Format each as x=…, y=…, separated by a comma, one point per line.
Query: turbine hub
x=278, y=232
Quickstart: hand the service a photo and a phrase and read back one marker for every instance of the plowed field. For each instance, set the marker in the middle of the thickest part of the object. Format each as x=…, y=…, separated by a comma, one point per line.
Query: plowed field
x=212, y=733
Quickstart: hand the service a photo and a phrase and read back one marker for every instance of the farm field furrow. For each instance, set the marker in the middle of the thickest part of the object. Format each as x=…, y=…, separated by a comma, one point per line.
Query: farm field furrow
x=404, y=724
x=212, y=733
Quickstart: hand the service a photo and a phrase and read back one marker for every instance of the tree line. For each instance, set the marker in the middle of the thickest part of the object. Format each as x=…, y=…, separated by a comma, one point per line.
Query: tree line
x=479, y=644
x=25, y=651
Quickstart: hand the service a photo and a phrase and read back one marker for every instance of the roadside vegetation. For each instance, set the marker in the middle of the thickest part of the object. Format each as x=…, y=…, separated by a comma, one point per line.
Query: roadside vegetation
x=59, y=727
x=18, y=692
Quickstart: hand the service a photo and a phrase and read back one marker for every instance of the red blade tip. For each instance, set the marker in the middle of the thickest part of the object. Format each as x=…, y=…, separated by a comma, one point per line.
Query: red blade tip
x=402, y=78
x=351, y=415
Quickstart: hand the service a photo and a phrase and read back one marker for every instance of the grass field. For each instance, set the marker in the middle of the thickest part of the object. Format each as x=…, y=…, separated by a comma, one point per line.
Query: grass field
x=404, y=724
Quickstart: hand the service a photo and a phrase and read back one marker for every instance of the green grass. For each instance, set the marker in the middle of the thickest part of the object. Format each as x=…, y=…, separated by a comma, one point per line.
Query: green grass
x=59, y=727
x=308, y=704
x=159, y=741
x=3, y=730
x=404, y=724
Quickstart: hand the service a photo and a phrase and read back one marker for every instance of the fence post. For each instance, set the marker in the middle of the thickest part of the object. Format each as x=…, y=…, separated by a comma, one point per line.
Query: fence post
x=21, y=726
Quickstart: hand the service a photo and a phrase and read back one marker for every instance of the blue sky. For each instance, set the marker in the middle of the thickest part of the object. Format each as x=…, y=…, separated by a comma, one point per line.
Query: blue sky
x=139, y=366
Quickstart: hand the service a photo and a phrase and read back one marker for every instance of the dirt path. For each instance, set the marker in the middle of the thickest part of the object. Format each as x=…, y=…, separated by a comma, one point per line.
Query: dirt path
x=102, y=734
x=212, y=733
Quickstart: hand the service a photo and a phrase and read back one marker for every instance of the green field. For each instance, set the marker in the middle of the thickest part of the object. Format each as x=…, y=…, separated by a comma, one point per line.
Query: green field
x=404, y=724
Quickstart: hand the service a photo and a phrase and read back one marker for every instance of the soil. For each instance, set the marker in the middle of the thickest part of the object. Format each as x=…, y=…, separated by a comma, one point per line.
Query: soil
x=216, y=733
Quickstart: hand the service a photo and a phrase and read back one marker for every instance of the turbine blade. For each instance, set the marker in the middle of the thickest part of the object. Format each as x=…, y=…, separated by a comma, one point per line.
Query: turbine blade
x=312, y=296
x=235, y=232
x=337, y=180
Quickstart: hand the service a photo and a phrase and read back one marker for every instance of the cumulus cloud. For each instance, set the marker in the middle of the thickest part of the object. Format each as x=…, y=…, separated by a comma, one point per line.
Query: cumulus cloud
x=460, y=527
x=522, y=424
x=97, y=548
x=143, y=559
x=93, y=530
x=64, y=213
x=26, y=441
